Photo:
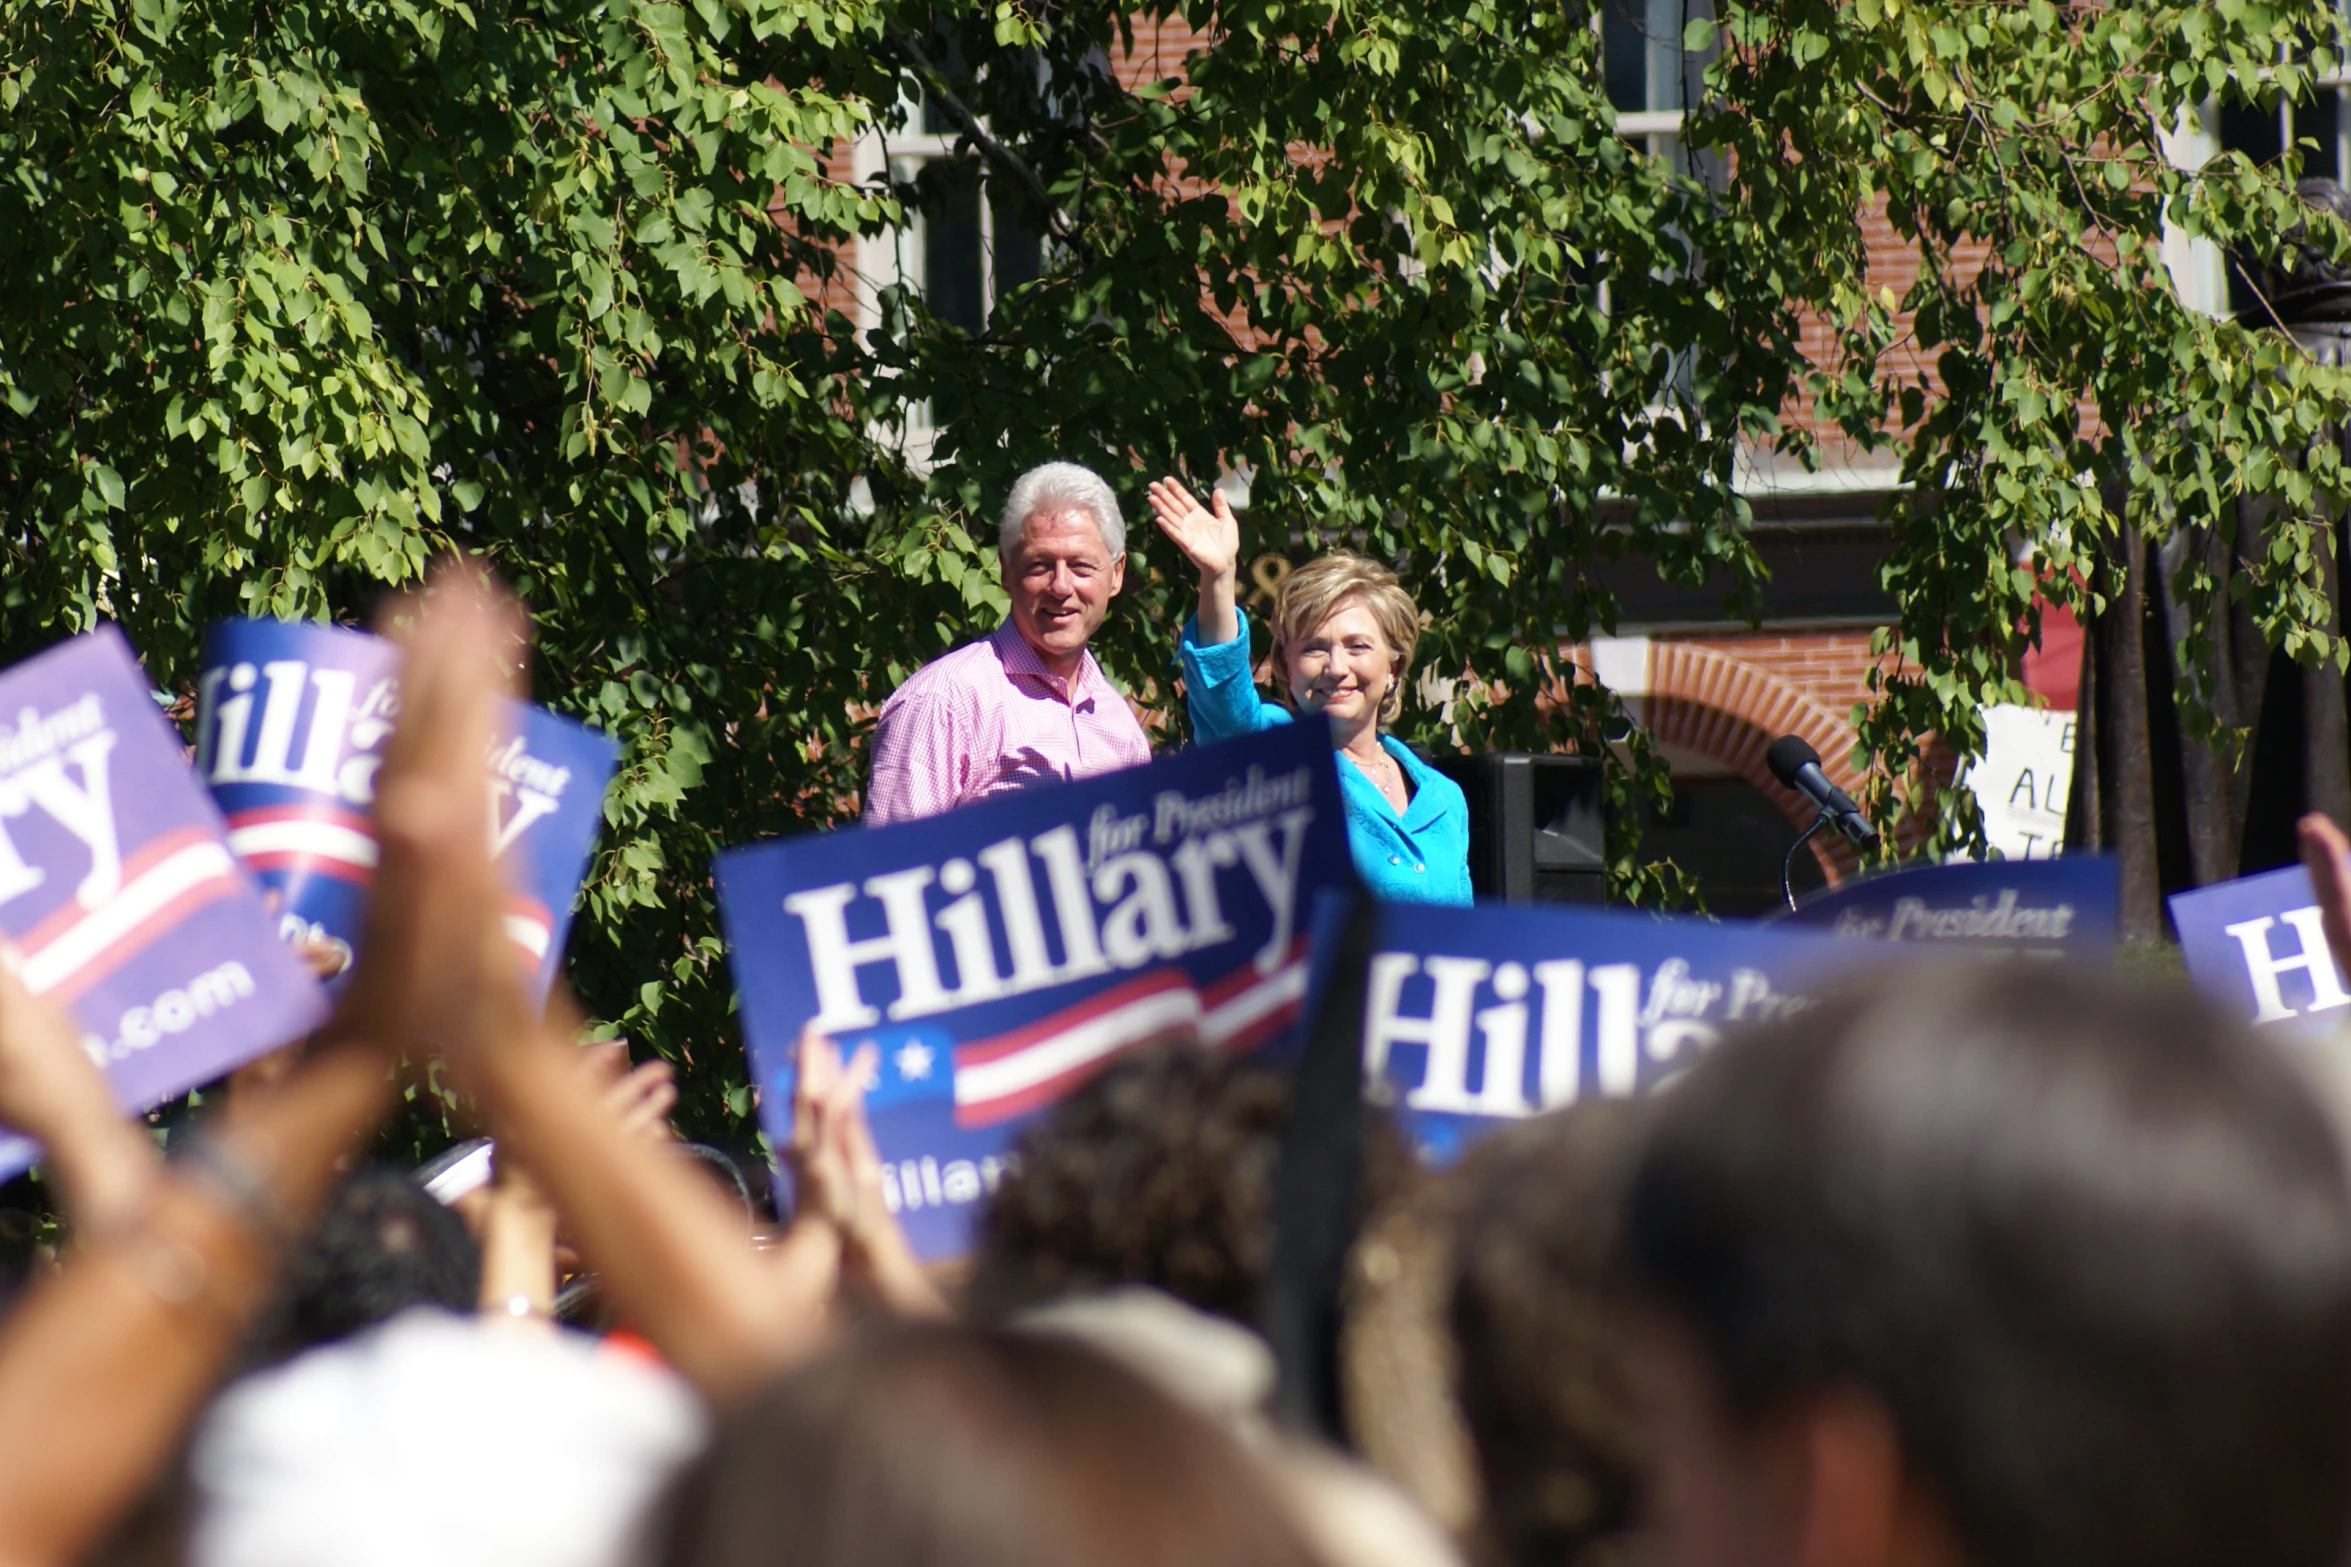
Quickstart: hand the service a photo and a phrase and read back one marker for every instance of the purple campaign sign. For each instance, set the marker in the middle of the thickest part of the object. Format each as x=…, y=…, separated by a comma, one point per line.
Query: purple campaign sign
x=1002, y=954
x=118, y=893
x=291, y=721
x=1477, y=1017
x=2071, y=904
x=2256, y=947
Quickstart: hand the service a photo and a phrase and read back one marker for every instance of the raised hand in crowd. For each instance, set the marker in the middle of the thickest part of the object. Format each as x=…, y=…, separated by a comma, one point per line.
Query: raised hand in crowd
x=837, y=1180
x=2326, y=854
x=103, y=1363
x=1211, y=541
x=643, y=1094
x=52, y=1092
x=523, y=1260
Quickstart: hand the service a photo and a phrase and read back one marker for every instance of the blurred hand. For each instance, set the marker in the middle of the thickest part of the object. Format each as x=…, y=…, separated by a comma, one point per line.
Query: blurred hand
x=435, y=968
x=324, y=956
x=52, y=1091
x=643, y=1097
x=1210, y=540
x=2326, y=854
x=46, y=1077
x=828, y=1107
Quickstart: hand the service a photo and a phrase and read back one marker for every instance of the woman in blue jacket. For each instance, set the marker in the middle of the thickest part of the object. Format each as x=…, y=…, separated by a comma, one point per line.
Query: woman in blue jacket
x=1343, y=632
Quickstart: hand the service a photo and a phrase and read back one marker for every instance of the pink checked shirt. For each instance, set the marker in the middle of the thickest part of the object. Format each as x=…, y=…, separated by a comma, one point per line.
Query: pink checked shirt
x=988, y=718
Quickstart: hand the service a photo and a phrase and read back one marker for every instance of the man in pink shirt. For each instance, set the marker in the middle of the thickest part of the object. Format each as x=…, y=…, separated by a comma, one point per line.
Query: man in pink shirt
x=1028, y=705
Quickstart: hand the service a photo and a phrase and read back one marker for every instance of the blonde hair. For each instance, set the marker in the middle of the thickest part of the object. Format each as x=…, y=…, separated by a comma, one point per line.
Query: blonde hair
x=1317, y=590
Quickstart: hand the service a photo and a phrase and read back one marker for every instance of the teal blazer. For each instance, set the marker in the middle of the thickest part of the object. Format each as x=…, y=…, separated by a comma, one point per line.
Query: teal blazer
x=1419, y=857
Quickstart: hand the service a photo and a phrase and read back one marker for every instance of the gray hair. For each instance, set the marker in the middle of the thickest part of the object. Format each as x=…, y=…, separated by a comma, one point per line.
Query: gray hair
x=1062, y=486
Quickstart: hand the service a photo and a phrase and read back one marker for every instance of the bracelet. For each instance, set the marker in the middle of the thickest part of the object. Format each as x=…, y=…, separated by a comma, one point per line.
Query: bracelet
x=233, y=1179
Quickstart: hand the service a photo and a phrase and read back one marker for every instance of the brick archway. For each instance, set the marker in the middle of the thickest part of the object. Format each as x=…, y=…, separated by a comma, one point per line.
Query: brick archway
x=1708, y=701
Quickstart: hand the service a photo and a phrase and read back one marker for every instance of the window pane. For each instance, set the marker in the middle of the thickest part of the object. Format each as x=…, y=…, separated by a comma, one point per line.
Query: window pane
x=1019, y=248
x=1624, y=51
x=951, y=244
x=2318, y=120
x=1664, y=37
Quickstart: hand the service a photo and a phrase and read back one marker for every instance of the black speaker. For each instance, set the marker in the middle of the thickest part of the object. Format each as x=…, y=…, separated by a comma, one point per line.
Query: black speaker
x=1538, y=825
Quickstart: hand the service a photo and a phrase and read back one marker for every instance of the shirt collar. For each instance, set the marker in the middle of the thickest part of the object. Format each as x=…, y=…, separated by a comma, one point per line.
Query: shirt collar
x=1021, y=659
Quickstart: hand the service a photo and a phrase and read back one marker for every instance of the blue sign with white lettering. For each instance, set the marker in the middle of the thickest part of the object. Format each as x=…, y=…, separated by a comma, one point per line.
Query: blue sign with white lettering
x=1002, y=954
x=291, y=719
x=1487, y=1015
x=2071, y=904
x=2256, y=946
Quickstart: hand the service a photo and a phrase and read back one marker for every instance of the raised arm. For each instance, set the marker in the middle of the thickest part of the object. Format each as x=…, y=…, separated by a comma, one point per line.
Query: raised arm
x=1211, y=541
x=51, y=1091
x=104, y=1363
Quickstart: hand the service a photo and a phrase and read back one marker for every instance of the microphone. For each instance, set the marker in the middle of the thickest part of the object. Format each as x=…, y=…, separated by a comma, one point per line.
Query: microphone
x=1797, y=765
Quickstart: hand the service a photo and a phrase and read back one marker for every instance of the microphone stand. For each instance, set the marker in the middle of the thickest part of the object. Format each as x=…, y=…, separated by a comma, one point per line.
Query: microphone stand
x=1788, y=861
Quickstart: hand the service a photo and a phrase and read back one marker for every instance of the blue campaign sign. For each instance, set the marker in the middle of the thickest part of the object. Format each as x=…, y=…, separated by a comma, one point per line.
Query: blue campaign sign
x=1476, y=1017
x=119, y=897
x=2257, y=947
x=291, y=719
x=547, y=780
x=2071, y=904
x=1000, y=955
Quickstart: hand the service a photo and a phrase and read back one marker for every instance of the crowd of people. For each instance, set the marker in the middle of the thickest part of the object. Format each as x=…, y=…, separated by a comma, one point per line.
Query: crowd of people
x=1964, y=1267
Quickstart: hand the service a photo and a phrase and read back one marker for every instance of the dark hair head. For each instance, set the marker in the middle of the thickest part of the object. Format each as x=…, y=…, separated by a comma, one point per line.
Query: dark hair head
x=381, y=1246
x=918, y=1446
x=1158, y=1172
x=2089, y=1247
x=1538, y=1347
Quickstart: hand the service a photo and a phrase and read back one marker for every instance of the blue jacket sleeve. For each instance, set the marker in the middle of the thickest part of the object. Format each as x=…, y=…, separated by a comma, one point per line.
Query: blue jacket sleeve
x=1219, y=691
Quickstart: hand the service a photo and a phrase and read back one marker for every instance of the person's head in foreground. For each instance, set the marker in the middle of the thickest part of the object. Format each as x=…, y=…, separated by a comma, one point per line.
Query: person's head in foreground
x=1063, y=551
x=382, y=1246
x=921, y=1446
x=1158, y=1172
x=1343, y=634
x=1538, y=1338
x=2013, y=1267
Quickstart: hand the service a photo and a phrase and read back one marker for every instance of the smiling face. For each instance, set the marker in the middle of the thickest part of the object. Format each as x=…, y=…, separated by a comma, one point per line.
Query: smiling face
x=1342, y=667
x=1061, y=580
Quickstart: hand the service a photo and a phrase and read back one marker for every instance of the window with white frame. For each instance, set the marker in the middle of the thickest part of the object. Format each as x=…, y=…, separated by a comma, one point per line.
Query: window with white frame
x=1650, y=78
x=969, y=238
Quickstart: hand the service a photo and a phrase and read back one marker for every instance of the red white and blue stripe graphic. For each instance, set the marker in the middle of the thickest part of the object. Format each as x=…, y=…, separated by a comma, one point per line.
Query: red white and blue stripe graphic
x=1016, y=1072
x=320, y=838
x=163, y=882
x=530, y=925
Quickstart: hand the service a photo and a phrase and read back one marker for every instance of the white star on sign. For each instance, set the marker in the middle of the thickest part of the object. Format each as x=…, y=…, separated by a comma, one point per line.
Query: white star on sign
x=914, y=1062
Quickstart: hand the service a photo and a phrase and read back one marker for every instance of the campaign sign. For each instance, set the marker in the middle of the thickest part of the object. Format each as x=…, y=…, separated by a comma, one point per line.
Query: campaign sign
x=291, y=720
x=1476, y=1017
x=118, y=893
x=2257, y=947
x=1001, y=954
x=547, y=778
x=2042, y=907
